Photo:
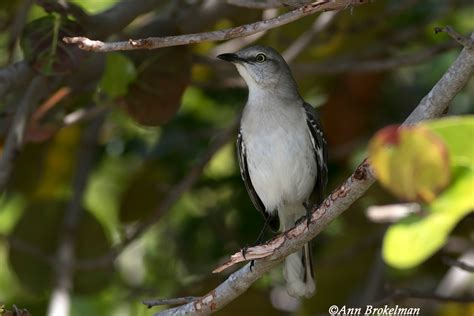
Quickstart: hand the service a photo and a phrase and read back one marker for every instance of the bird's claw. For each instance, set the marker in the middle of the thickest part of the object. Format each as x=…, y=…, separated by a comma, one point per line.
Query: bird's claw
x=252, y=265
x=308, y=214
x=244, y=252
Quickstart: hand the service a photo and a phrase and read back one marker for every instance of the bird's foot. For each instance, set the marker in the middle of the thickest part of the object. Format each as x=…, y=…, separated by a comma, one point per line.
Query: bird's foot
x=244, y=251
x=308, y=213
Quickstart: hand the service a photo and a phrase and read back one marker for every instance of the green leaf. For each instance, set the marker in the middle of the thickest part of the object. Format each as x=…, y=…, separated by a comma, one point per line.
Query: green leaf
x=411, y=162
x=43, y=49
x=456, y=132
x=414, y=239
x=119, y=73
x=94, y=6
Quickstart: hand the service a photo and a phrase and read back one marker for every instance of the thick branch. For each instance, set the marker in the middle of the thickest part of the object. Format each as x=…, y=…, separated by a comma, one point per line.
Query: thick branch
x=240, y=31
x=432, y=106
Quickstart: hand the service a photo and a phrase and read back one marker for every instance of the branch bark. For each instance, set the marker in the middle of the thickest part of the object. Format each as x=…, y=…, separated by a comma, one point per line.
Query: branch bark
x=431, y=106
x=240, y=31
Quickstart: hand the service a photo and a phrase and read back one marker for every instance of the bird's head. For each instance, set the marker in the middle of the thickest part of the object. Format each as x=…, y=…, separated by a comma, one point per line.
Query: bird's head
x=262, y=67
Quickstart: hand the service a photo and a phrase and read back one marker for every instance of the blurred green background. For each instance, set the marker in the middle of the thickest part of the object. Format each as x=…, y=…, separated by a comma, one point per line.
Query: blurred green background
x=162, y=202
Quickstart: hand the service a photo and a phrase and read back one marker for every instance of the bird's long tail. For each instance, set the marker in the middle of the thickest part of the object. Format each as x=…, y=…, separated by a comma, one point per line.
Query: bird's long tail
x=298, y=272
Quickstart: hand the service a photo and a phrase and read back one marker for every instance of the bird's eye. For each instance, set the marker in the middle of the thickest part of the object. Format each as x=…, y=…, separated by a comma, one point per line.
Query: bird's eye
x=260, y=58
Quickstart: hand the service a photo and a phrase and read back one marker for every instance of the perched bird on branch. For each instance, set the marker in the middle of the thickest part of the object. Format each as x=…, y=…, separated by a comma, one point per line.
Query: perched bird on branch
x=282, y=152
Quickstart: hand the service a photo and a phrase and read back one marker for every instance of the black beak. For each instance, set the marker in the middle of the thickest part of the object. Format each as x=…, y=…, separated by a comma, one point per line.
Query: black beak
x=233, y=58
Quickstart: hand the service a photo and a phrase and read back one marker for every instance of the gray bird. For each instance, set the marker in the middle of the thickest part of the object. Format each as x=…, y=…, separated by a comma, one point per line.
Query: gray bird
x=282, y=152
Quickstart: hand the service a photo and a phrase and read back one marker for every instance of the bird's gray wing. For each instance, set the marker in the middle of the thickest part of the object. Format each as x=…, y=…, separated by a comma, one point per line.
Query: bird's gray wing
x=320, y=153
x=273, y=222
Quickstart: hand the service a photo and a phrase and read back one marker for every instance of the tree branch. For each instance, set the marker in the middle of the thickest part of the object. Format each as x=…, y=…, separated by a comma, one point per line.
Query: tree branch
x=341, y=65
x=240, y=31
x=60, y=299
x=432, y=106
x=268, y=4
x=458, y=264
x=299, y=45
x=253, y=4
x=26, y=248
x=461, y=39
x=100, y=25
x=171, y=301
x=238, y=43
x=14, y=140
x=14, y=75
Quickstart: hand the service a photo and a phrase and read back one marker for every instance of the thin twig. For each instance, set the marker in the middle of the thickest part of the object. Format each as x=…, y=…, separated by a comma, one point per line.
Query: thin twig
x=461, y=39
x=17, y=25
x=340, y=66
x=170, y=301
x=240, y=31
x=432, y=106
x=64, y=8
x=27, y=248
x=252, y=4
x=299, y=45
x=83, y=114
x=458, y=264
x=49, y=103
x=391, y=213
x=238, y=43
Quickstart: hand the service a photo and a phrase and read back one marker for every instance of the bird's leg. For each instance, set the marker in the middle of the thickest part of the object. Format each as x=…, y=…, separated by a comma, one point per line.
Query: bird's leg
x=308, y=213
x=257, y=242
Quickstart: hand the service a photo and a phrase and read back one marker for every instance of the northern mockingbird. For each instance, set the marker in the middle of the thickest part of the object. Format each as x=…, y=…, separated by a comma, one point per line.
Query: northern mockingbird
x=282, y=152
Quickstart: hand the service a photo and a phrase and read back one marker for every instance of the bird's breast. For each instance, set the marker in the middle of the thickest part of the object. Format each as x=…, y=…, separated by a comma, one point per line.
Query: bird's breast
x=280, y=158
